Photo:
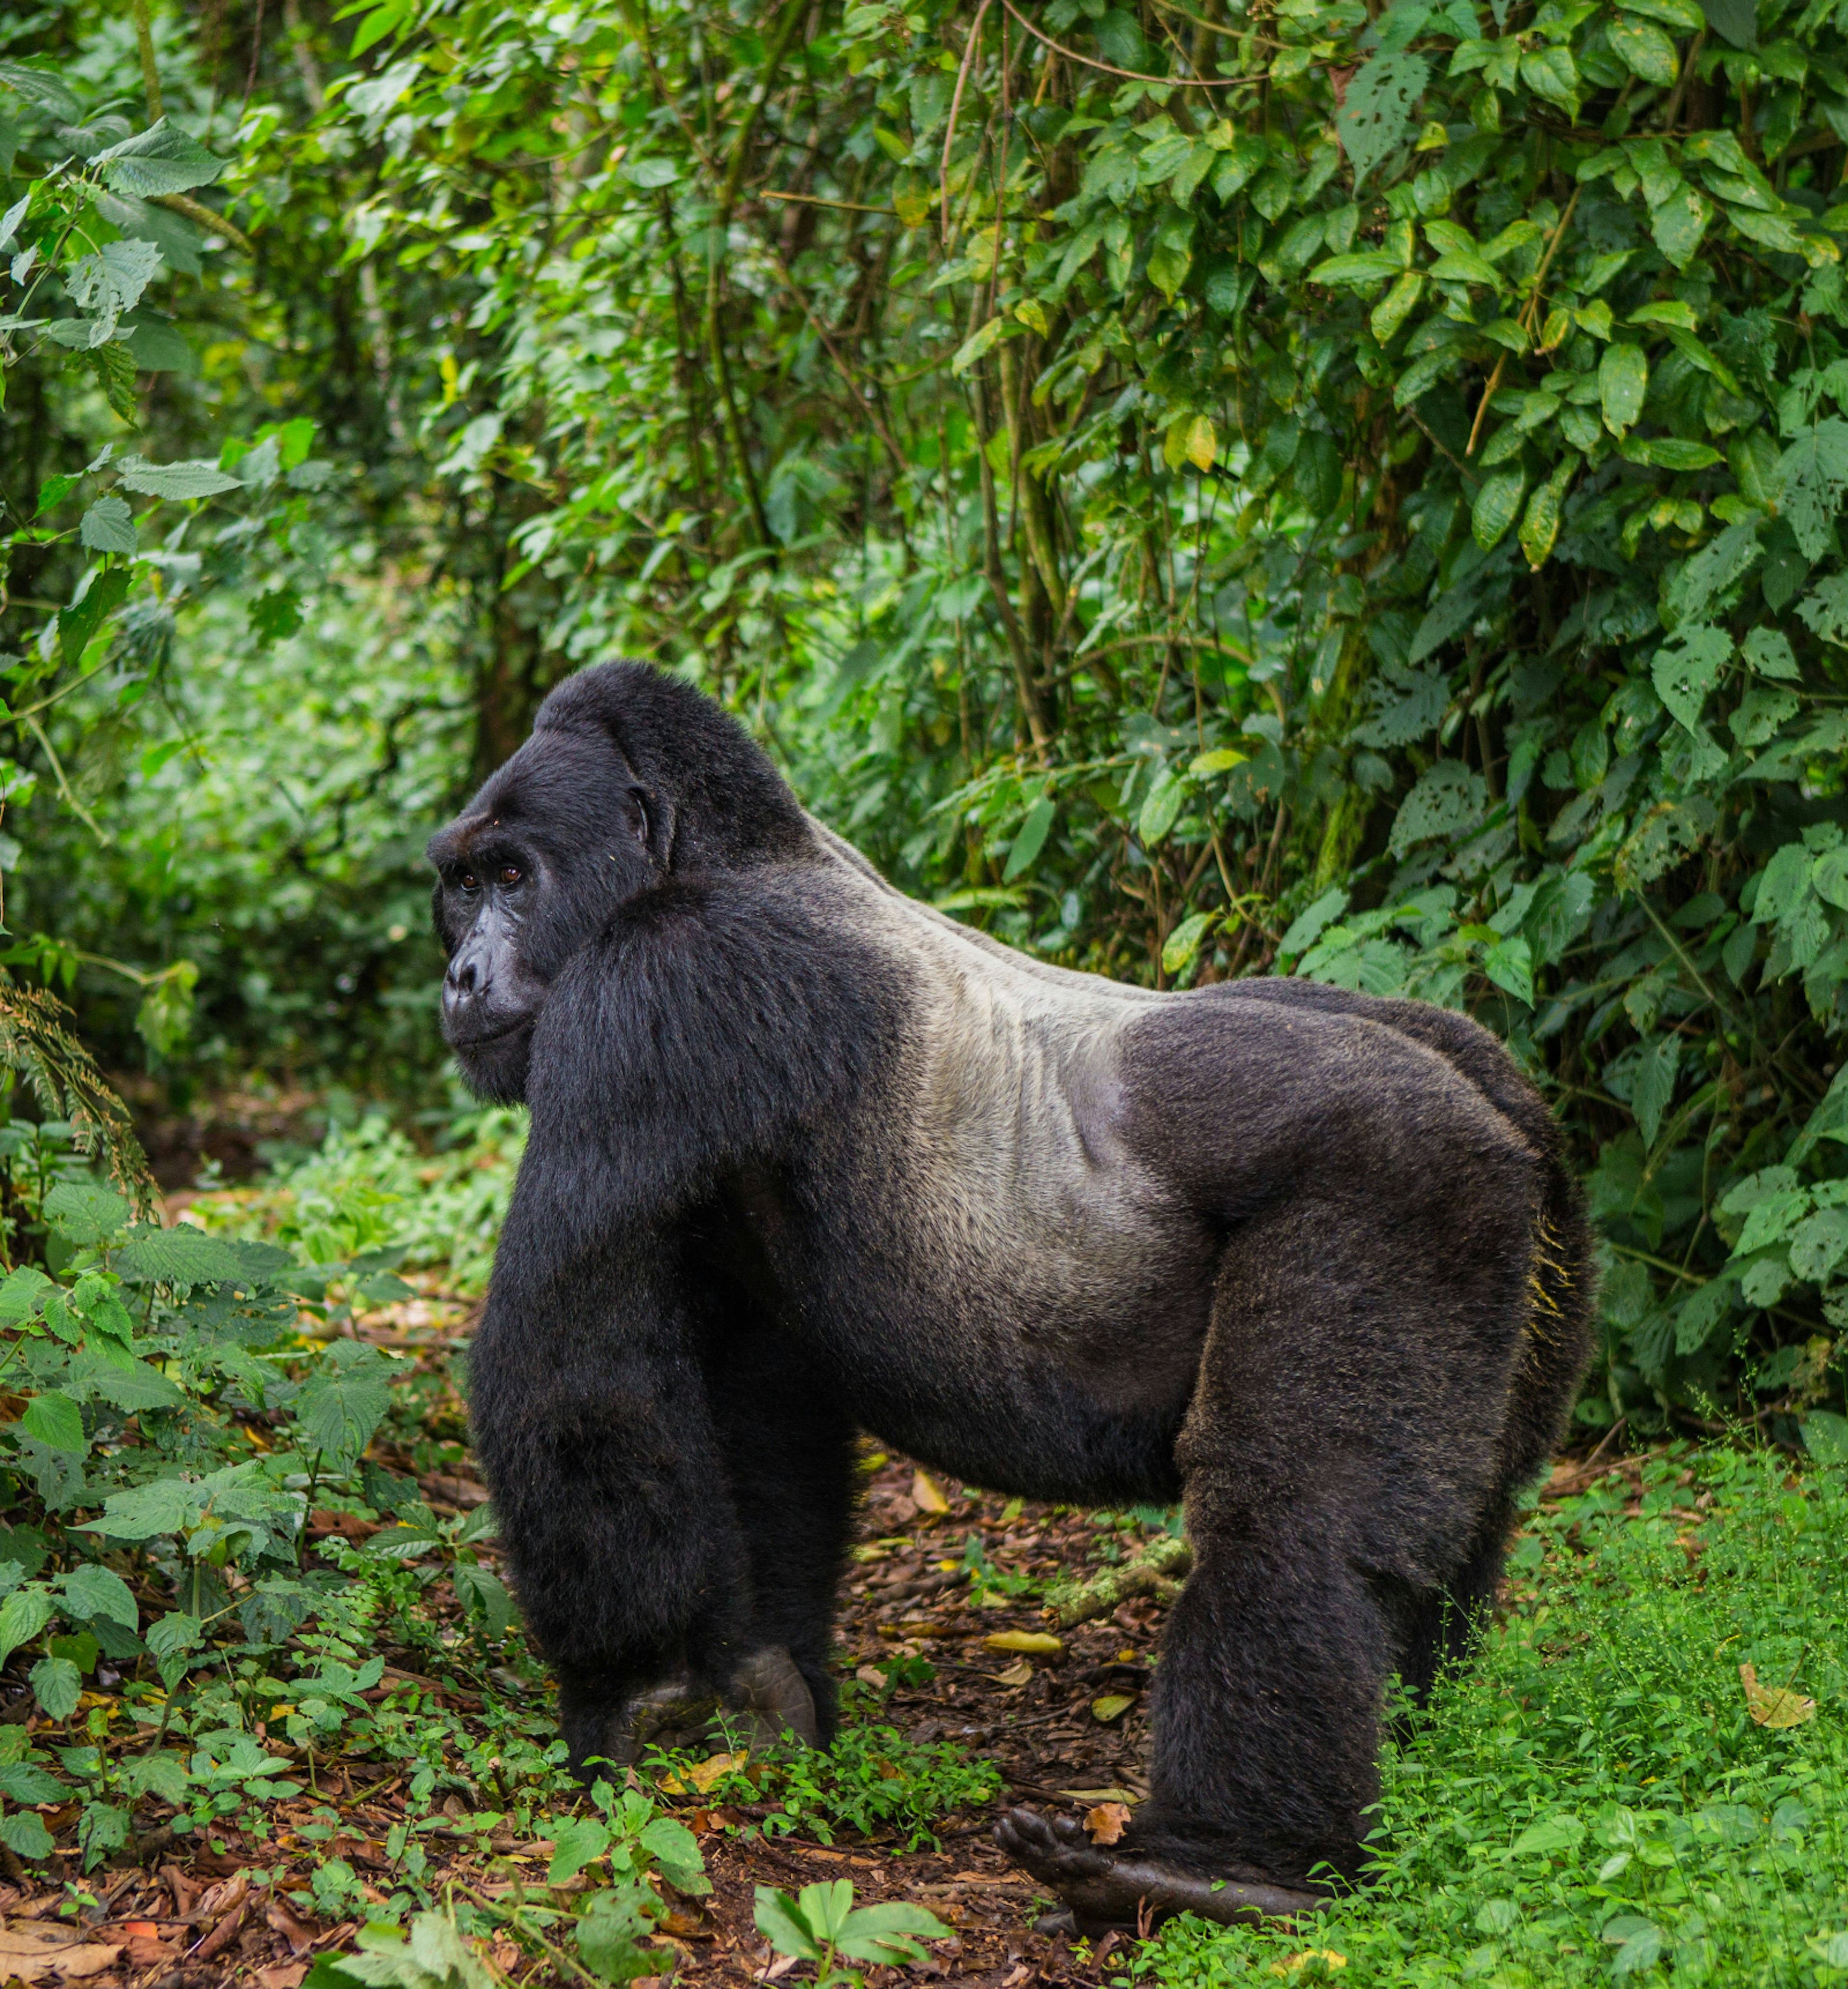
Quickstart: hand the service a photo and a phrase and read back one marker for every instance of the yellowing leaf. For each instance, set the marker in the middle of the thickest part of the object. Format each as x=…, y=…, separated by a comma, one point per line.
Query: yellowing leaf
x=1497, y=506
x=1034, y=1643
x=927, y=1494
x=1778, y=1708
x=913, y=209
x=698, y=1779
x=1107, y=1823
x=1202, y=443
x=1111, y=1706
x=1015, y=1674
x=1102, y=1796
x=1031, y=313
x=1294, y=1964
x=1393, y=309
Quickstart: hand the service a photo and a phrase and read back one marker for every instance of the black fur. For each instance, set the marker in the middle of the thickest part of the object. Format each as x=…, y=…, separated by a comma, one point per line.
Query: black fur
x=806, y=1159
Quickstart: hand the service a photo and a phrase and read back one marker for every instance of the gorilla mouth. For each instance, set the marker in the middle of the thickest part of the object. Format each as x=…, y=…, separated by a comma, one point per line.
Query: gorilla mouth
x=479, y=1039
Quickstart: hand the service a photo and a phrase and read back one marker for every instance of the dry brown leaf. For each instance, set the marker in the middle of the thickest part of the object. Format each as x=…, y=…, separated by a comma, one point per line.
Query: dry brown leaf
x=927, y=1494
x=294, y=1930
x=1017, y=1674
x=1774, y=1709
x=228, y=1894
x=1031, y=1643
x=1102, y=1796
x=1107, y=1823
x=1111, y=1706
x=34, y=1952
x=287, y=1977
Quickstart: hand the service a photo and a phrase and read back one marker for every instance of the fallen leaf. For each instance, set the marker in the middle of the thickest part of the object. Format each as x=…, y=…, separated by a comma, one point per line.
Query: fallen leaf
x=1101, y=1796
x=294, y=1930
x=147, y=1950
x=1107, y=1823
x=1112, y=1706
x=141, y=1930
x=869, y=1675
x=33, y=1952
x=1017, y=1674
x=1034, y=1643
x=1774, y=1710
x=927, y=1494
x=698, y=1780
x=287, y=1977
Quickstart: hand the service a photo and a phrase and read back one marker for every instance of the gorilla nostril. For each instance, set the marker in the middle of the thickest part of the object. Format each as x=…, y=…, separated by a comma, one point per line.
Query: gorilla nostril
x=462, y=977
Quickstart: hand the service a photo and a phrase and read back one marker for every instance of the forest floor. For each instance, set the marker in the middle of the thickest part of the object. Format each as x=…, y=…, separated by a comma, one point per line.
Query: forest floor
x=1066, y=1730
x=955, y=1695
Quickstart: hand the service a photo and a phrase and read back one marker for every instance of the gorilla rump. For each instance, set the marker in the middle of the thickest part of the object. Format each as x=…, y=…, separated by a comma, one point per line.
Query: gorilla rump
x=807, y=1158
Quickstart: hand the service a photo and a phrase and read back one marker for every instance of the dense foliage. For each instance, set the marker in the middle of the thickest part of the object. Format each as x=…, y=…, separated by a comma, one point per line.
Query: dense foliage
x=1201, y=490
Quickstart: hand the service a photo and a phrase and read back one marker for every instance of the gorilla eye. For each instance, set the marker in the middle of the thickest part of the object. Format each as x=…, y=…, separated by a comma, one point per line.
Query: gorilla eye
x=469, y=881
x=509, y=875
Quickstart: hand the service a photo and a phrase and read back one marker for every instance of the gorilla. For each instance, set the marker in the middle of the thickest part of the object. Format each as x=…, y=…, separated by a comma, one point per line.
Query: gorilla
x=809, y=1158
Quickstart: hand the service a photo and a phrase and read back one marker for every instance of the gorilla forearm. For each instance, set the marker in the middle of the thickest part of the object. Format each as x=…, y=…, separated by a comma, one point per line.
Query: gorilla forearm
x=591, y=1419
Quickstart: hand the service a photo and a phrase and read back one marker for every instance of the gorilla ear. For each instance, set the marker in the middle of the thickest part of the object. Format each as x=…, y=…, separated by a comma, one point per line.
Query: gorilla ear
x=651, y=821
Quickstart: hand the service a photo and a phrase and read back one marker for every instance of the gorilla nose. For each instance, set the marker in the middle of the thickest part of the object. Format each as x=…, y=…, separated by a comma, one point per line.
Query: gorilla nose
x=464, y=985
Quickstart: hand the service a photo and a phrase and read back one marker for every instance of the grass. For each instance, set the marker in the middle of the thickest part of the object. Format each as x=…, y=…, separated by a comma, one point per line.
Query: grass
x=1593, y=1800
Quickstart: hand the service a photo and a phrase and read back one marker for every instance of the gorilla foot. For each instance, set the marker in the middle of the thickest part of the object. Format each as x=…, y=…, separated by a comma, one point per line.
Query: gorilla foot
x=768, y=1700
x=1105, y=1889
x=769, y=1690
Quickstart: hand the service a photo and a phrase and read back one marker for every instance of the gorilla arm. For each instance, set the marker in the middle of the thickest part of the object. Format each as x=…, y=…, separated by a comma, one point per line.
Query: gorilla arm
x=692, y=1040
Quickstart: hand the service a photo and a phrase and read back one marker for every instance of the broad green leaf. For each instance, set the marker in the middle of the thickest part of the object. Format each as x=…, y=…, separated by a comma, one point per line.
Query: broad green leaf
x=1357, y=272
x=345, y=1400
x=189, y=479
x=1393, y=309
x=1184, y=942
x=1162, y=809
x=25, y=1834
x=1644, y=49
x=976, y=344
x=1735, y=21
x=1496, y=506
x=181, y=1255
x=55, y=1420
x=57, y=1684
x=1031, y=838
x=1540, y=521
x=161, y=160
x=1623, y=382
x=85, y=1213
x=90, y=1590
x=108, y=527
x=1551, y=1834
x=1550, y=73
x=782, y=1922
x=1670, y=452
x=23, y=1615
x=1375, y=116
x=889, y=1933
x=1813, y=477
x=1768, y=651
x=1685, y=670
x=576, y=1842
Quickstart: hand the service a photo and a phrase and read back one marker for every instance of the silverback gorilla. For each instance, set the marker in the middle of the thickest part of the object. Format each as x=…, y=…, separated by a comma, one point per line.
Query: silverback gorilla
x=807, y=1158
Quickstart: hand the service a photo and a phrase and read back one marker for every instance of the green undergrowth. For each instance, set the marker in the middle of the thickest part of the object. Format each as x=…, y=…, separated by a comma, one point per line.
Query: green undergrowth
x=367, y=1185
x=871, y=1781
x=1595, y=1799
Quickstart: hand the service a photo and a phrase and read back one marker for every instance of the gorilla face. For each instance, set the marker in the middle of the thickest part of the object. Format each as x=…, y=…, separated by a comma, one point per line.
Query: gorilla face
x=527, y=876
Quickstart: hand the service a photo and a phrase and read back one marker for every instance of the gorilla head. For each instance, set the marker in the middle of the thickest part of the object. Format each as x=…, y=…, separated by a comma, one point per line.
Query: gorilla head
x=630, y=777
